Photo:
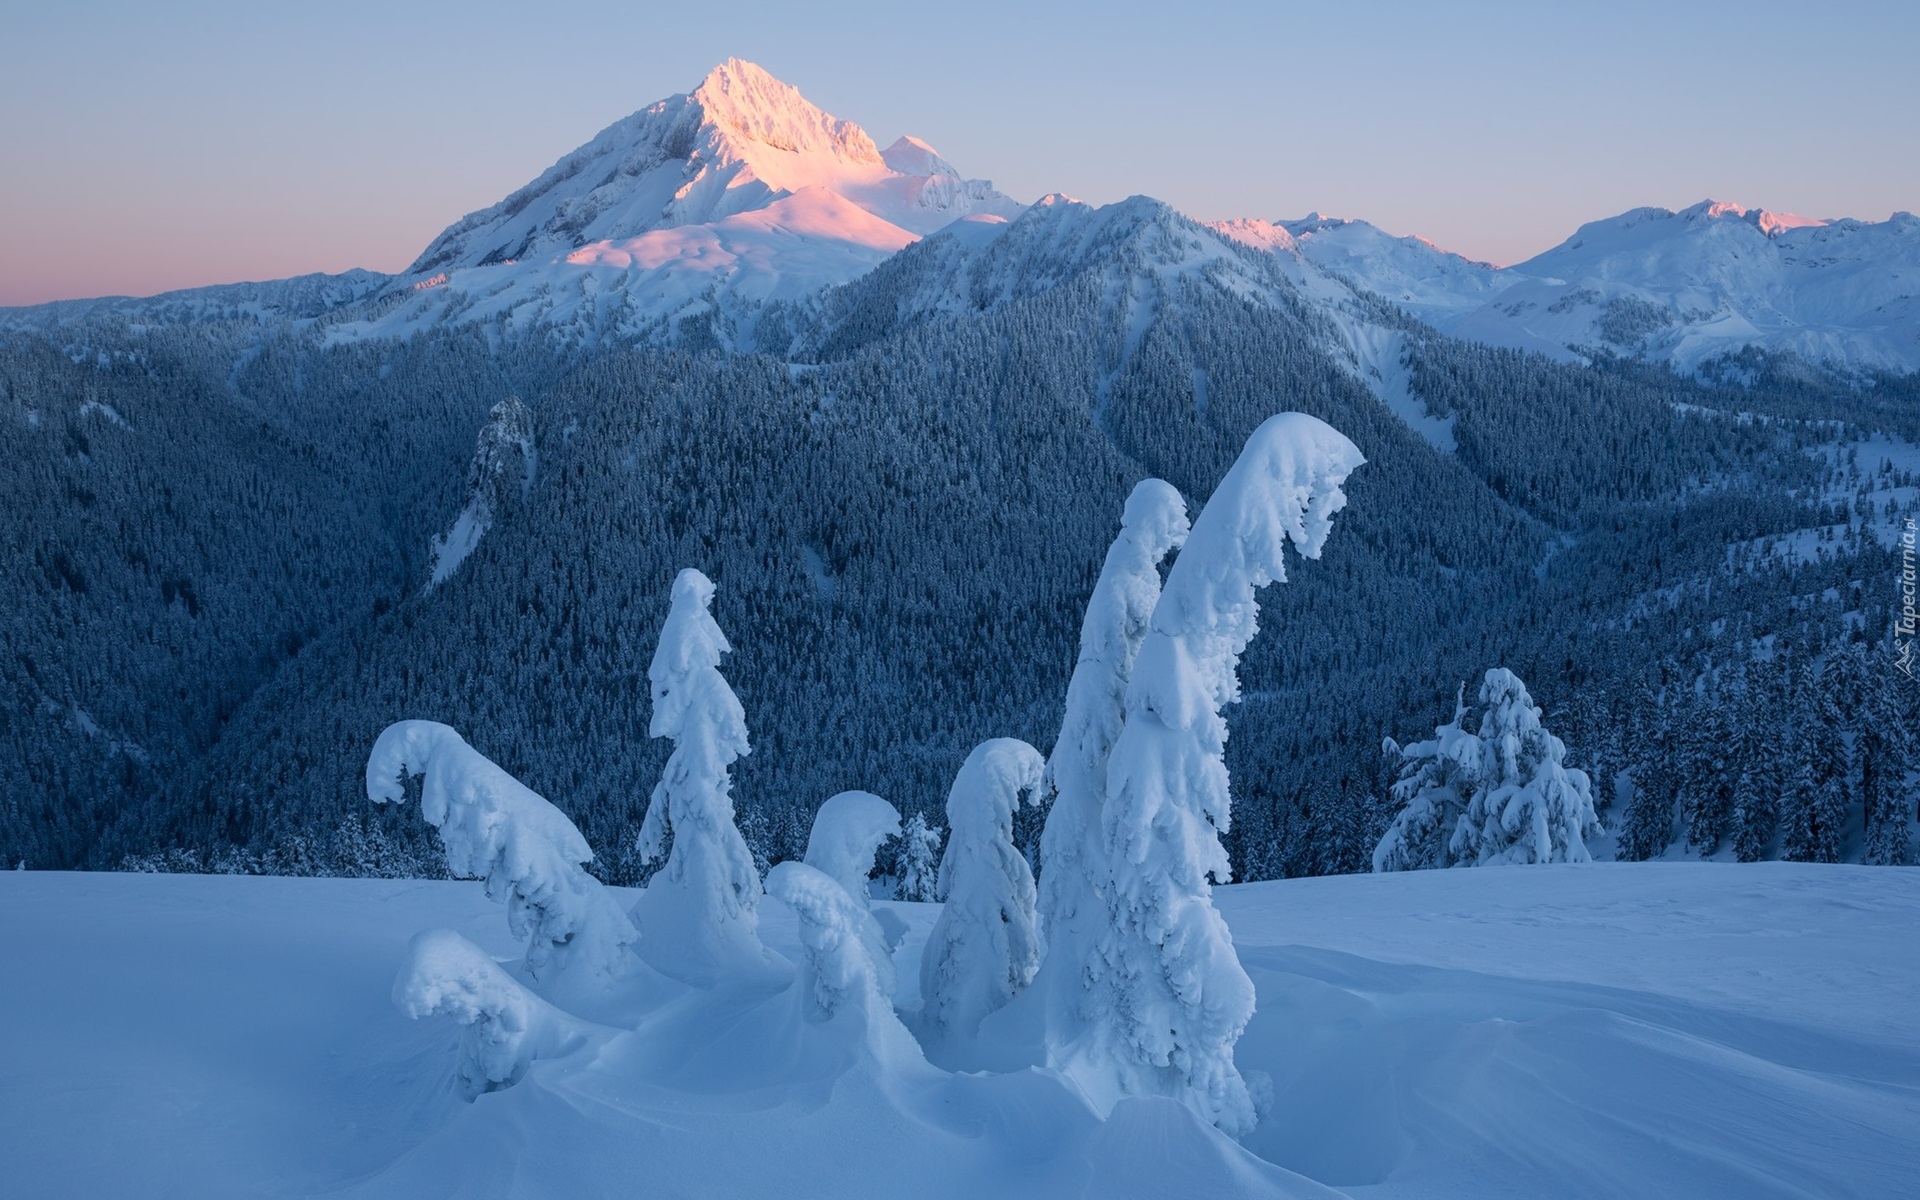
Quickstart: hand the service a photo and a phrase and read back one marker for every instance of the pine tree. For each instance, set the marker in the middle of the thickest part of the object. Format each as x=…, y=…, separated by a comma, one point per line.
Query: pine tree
x=1885, y=760
x=1756, y=741
x=1810, y=823
x=1708, y=773
x=1646, y=827
x=1437, y=777
x=920, y=861
x=1526, y=807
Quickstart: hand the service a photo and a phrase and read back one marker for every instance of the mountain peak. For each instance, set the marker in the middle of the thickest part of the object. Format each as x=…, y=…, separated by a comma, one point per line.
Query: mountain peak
x=911, y=156
x=738, y=193
x=1769, y=223
x=743, y=99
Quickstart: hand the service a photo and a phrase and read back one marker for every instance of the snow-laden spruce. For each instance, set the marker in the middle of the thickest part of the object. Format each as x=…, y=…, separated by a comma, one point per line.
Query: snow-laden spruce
x=1072, y=905
x=506, y=1027
x=919, y=861
x=985, y=947
x=496, y=828
x=847, y=831
x=1436, y=778
x=847, y=968
x=1170, y=998
x=698, y=913
x=1500, y=795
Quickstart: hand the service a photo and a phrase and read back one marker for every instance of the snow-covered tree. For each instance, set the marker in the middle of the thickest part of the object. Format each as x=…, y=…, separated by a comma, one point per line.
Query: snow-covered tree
x=985, y=947
x=698, y=912
x=1708, y=772
x=846, y=965
x=920, y=860
x=1171, y=997
x=1437, y=777
x=847, y=831
x=1885, y=757
x=1833, y=762
x=497, y=829
x=507, y=1027
x=1072, y=904
x=1527, y=806
x=1646, y=825
x=1760, y=730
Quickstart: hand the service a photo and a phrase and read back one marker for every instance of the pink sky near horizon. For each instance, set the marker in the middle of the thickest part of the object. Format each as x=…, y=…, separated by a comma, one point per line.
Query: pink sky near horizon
x=151, y=148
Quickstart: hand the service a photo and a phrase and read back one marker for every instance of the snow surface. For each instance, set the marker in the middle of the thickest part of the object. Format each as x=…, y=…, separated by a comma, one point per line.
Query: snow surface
x=1611, y=1030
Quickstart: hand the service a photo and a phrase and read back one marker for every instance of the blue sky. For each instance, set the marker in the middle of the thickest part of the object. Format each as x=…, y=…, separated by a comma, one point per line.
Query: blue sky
x=155, y=146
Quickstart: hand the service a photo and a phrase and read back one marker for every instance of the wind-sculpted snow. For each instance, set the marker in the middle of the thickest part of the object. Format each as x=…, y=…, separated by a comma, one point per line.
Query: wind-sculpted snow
x=497, y=829
x=505, y=1026
x=1171, y=997
x=847, y=830
x=1686, y=1030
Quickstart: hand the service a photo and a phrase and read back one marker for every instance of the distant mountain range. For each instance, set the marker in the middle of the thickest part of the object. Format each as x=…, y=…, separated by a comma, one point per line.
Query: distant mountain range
x=727, y=214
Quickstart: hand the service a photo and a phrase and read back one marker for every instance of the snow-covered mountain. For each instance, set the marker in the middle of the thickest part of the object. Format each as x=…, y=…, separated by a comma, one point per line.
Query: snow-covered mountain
x=705, y=205
x=1140, y=248
x=696, y=218
x=1684, y=287
x=1675, y=287
x=300, y=298
x=1433, y=284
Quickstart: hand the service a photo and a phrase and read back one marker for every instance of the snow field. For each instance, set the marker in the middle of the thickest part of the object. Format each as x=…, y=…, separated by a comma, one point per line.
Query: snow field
x=1644, y=1030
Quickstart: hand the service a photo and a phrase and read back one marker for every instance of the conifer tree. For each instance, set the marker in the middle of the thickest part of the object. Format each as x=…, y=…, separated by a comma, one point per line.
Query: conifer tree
x=698, y=914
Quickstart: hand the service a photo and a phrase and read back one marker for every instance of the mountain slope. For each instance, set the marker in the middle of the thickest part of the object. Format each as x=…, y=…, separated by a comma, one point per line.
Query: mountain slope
x=1686, y=287
x=1432, y=284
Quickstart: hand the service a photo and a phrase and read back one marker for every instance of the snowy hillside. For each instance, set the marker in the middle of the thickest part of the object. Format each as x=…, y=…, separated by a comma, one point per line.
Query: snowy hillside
x=1642, y=1031
x=1140, y=249
x=1684, y=287
x=298, y=299
x=707, y=204
x=1436, y=286
x=1680, y=288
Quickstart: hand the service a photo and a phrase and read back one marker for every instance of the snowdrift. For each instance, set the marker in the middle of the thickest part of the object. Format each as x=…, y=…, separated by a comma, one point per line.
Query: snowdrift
x=1685, y=1030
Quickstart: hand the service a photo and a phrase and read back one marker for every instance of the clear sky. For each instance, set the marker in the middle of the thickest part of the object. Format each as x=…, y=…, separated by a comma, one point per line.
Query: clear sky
x=150, y=146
